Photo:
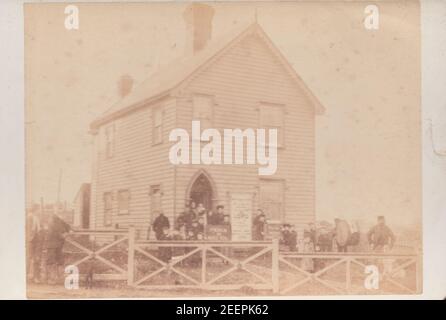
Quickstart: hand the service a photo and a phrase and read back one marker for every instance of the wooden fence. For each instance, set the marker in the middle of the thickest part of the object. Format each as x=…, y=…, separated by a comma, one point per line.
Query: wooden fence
x=350, y=273
x=225, y=265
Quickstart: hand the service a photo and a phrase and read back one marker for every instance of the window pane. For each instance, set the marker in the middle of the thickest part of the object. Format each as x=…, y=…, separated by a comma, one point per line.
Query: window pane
x=108, y=200
x=272, y=117
x=108, y=205
x=271, y=198
x=123, y=200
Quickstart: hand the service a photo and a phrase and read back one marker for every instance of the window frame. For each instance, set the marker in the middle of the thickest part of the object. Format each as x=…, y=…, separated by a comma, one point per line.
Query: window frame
x=126, y=211
x=281, y=215
x=280, y=130
x=212, y=109
x=108, y=212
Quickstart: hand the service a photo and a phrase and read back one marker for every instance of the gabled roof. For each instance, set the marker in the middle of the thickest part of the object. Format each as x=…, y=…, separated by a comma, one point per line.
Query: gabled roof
x=178, y=72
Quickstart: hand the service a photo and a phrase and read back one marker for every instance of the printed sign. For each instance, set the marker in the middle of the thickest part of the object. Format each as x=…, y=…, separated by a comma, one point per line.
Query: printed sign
x=218, y=232
x=241, y=216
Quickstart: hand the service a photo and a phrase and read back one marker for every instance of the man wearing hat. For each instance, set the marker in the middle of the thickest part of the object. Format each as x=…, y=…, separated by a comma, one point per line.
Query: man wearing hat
x=380, y=236
x=259, y=226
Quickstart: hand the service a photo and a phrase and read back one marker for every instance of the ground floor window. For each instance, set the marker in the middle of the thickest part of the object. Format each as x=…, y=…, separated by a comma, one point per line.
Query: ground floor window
x=108, y=207
x=272, y=198
x=123, y=201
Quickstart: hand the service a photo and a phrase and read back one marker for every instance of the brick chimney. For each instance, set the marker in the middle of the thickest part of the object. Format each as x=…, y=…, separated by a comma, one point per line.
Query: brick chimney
x=198, y=19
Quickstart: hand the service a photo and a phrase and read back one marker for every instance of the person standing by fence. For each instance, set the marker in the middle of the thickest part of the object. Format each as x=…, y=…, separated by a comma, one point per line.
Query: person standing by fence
x=259, y=226
x=381, y=237
x=342, y=234
x=159, y=224
x=54, y=243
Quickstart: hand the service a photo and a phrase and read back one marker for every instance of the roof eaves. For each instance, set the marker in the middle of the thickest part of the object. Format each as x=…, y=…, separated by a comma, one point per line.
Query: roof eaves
x=133, y=107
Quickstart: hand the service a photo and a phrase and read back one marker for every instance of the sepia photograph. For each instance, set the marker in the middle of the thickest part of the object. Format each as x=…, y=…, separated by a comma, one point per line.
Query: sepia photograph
x=223, y=149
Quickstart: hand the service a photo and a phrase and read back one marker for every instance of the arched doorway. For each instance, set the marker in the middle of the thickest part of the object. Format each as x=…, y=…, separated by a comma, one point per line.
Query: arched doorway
x=202, y=190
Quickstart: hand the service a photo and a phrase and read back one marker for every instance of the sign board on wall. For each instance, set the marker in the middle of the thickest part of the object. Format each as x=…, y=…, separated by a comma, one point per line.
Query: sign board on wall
x=241, y=216
x=219, y=232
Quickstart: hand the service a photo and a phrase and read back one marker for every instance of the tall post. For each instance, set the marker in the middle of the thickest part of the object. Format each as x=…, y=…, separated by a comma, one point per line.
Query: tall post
x=131, y=257
x=275, y=266
x=203, y=265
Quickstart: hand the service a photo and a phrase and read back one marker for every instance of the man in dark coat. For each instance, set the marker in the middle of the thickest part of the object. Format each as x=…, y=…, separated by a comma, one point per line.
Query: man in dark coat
x=159, y=224
x=180, y=221
x=259, y=226
x=292, y=243
x=54, y=243
x=381, y=236
x=285, y=234
x=216, y=218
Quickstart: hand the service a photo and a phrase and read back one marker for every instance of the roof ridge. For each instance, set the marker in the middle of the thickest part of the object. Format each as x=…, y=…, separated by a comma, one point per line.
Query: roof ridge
x=188, y=66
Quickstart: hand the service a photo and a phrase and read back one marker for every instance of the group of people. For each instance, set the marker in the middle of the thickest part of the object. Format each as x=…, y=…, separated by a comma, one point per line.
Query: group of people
x=189, y=224
x=46, y=237
x=338, y=238
x=380, y=238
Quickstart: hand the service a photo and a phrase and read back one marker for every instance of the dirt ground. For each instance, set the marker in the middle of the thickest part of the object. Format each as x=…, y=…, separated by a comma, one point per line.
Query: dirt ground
x=43, y=291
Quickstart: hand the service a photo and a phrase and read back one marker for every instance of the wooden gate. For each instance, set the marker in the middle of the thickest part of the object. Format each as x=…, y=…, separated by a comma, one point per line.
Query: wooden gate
x=99, y=252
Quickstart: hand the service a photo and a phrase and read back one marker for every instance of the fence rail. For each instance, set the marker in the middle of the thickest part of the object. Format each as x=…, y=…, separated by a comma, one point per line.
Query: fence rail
x=224, y=265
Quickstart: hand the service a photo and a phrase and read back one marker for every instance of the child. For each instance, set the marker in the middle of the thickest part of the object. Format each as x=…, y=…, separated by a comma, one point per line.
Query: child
x=308, y=247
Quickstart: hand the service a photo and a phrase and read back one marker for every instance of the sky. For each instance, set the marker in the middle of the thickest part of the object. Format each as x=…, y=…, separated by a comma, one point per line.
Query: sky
x=368, y=156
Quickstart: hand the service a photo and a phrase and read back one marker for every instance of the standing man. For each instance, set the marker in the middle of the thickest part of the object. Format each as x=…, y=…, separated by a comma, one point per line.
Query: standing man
x=381, y=237
x=159, y=224
x=259, y=226
x=190, y=215
x=220, y=214
x=57, y=230
x=342, y=234
x=212, y=217
x=216, y=218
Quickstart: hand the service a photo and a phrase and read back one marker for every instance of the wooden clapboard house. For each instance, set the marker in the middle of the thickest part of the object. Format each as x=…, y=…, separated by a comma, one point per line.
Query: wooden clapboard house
x=241, y=81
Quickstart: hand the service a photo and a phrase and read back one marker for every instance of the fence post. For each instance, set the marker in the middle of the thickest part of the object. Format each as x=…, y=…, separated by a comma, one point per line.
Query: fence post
x=131, y=256
x=275, y=265
x=203, y=265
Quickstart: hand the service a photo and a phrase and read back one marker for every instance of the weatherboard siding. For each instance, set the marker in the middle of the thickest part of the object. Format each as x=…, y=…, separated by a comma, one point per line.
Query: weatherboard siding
x=136, y=165
x=239, y=80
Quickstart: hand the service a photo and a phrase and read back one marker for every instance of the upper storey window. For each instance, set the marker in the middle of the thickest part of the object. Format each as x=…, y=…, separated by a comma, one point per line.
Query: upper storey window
x=272, y=116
